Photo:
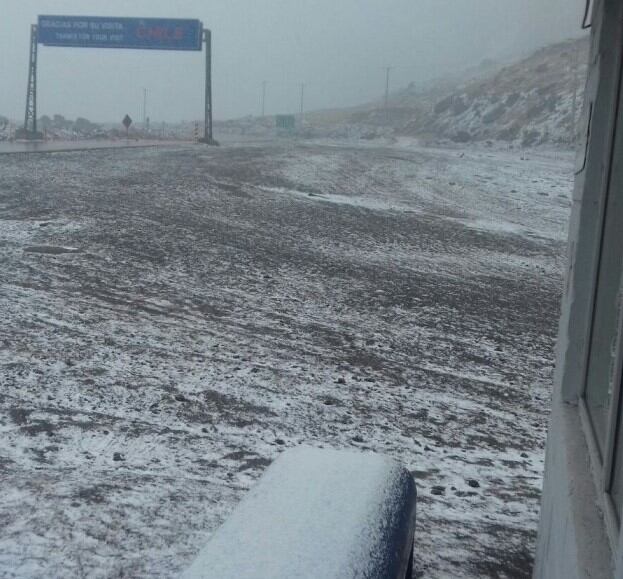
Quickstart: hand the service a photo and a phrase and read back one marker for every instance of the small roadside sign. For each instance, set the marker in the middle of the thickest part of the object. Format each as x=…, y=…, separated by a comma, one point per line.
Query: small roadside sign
x=285, y=122
x=127, y=121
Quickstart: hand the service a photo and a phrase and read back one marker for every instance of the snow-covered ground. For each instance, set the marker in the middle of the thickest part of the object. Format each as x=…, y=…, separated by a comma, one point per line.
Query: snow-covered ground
x=224, y=304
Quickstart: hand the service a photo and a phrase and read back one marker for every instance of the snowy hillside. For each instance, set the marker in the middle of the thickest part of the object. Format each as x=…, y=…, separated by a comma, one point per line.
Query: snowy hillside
x=531, y=102
x=527, y=103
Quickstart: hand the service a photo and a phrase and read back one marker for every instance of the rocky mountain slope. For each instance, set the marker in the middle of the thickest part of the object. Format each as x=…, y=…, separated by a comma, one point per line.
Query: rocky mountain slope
x=530, y=102
x=533, y=101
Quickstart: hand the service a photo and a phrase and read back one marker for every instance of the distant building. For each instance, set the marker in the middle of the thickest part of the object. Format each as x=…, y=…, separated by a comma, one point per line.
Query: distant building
x=285, y=123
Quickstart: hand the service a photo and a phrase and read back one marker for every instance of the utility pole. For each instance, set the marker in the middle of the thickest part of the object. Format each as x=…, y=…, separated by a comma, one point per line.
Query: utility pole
x=207, y=131
x=263, y=98
x=144, y=107
x=387, y=71
x=302, y=99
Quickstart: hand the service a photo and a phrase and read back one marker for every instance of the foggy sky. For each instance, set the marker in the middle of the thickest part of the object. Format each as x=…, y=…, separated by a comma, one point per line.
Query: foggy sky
x=339, y=48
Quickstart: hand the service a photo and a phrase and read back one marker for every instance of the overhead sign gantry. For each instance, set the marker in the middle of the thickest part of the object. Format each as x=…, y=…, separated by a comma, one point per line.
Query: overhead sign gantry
x=128, y=33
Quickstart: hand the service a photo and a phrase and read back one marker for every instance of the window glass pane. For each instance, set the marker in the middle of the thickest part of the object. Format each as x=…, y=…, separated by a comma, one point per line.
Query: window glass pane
x=605, y=321
x=616, y=244
x=617, y=474
x=603, y=341
x=604, y=337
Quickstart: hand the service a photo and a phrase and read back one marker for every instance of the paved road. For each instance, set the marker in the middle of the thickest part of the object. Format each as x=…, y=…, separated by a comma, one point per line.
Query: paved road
x=60, y=146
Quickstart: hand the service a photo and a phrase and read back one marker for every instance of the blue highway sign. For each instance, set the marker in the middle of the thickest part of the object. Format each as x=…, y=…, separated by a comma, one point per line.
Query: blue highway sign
x=103, y=32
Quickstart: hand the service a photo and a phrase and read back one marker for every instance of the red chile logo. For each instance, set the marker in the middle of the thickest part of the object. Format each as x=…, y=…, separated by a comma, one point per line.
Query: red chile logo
x=160, y=33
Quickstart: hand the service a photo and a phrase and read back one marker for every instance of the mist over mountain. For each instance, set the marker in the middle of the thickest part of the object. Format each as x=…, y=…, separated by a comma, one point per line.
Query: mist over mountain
x=536, y=100
x=533, y=101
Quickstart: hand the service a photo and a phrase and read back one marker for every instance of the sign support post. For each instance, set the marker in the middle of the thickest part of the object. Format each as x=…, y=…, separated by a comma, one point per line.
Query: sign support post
x=30, y=119
x=122, y=32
